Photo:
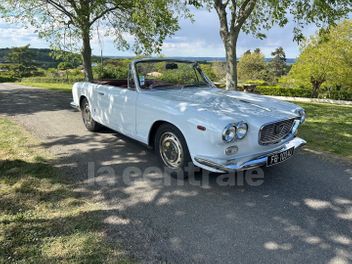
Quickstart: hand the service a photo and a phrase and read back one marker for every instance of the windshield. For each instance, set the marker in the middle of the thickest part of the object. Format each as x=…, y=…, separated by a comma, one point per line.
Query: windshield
x=169, y=75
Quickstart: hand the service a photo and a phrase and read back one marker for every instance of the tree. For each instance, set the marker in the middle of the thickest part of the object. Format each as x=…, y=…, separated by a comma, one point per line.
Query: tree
x=254, y=16
x=251, y=66
x=278, y=63
x=65, y=23
x=69, y=59
x=20, y=55
x=325, y=59
x=22, y=60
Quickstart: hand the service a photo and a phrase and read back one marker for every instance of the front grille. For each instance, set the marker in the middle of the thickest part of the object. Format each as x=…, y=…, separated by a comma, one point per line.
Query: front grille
x=274, y=132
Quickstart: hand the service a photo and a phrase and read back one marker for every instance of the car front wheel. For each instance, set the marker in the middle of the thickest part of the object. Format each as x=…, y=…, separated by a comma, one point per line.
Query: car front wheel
x=172, y=150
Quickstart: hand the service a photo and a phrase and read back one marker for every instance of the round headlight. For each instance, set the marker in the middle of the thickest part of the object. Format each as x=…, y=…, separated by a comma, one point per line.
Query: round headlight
x=242, y=129
x=229, y=133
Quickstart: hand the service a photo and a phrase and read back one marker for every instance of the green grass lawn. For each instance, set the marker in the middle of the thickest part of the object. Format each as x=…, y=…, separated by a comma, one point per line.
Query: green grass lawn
x=42, y=218
x=328, y=128
x=64, y=87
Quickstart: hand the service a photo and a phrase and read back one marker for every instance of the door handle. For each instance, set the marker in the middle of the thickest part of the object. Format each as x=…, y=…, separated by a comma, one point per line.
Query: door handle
x=101, y=93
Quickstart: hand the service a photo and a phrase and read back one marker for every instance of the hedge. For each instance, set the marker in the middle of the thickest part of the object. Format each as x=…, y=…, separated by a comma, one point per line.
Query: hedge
x=7, y=79
x=279, y=91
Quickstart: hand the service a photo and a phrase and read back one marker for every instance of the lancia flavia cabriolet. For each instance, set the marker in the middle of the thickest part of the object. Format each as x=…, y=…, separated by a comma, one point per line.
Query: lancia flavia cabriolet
x=173, y=107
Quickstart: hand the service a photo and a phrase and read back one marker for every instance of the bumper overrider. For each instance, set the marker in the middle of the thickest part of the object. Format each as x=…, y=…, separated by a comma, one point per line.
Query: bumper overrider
x=260, y=160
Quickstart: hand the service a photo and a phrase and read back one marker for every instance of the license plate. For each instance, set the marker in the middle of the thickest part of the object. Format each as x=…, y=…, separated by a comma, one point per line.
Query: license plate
x=279, y=157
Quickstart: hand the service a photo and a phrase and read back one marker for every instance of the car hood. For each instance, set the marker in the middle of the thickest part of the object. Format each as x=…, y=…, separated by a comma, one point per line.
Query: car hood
x=228, y=103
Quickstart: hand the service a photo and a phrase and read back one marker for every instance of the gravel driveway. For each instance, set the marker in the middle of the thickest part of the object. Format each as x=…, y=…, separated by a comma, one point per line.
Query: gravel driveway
x=302, y=213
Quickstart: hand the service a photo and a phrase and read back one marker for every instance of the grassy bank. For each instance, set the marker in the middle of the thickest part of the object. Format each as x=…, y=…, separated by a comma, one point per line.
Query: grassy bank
x=328, y=128
x=42, y=218
x=64, y=87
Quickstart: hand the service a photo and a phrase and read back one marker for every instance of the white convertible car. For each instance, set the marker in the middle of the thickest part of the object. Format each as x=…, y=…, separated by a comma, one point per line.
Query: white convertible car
x=171, y=106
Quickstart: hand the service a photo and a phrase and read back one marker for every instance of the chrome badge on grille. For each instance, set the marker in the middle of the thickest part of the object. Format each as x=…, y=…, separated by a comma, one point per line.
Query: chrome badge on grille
x=279, y=128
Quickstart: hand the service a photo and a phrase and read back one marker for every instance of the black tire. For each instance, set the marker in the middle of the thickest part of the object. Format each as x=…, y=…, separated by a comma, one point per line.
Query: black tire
x=87, y=118
x=175, y=154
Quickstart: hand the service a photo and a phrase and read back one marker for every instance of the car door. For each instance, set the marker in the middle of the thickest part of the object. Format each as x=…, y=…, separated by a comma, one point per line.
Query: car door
x=103, y=109
x=121, y=110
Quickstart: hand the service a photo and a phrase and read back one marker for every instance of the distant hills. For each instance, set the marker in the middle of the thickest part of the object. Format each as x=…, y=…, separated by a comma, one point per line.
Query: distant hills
x=212, y=59
x=42, y=58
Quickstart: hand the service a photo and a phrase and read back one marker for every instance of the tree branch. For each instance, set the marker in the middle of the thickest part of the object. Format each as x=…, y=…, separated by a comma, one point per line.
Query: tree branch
x=103, y=14
x=221, y=10
x=244, y=12
x=61, y=8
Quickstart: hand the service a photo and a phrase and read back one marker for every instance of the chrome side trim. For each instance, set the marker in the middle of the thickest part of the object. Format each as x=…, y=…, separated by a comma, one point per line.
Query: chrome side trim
x=232, y=165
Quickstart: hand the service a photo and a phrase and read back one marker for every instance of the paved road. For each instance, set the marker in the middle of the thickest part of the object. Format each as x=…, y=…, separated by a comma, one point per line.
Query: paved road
x=302, y=213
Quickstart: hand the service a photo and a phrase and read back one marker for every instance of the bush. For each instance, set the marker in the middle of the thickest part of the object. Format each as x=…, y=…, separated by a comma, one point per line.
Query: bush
x=336, y=94
x=7, y=79
x=304, y=92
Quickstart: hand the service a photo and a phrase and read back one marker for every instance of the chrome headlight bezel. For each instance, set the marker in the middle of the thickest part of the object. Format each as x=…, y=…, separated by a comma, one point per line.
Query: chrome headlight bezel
x=302, y=115
x=229, y=133
x=243, y=127
x=234, y=131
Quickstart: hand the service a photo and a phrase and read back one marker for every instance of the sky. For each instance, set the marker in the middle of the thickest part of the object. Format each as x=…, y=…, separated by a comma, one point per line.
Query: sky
x=198, y=39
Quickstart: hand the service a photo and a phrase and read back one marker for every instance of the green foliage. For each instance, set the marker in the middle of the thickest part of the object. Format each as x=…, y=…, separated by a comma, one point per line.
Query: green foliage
x=277, y=90
x=42, y=58
x=22, y=63
x=257, y=16
x=17, y=71
x=112, y=69
x=208, y=69
x=67, y=60
x=278, y=63
x=325, y=62
x=7, y=79
x=20, y=55
x=251, y=66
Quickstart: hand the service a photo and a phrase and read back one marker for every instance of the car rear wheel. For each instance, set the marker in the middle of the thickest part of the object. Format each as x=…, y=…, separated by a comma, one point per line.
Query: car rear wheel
x=88, y=120
x=171, y=147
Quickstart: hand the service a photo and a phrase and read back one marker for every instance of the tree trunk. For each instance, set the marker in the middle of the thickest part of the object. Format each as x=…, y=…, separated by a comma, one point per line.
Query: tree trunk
x=316, y=83
x=316, y=87
x=87, y=56
x=231, y=64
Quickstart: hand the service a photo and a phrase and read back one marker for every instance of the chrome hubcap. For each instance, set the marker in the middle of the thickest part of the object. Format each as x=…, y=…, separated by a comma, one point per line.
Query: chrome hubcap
x=87, y=117
x=171, y=150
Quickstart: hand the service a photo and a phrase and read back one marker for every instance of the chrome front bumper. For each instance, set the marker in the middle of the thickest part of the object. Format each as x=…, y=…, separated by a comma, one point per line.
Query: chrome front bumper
x=74, y=105
x=233, y=165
